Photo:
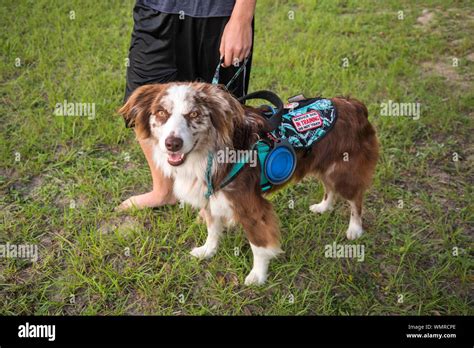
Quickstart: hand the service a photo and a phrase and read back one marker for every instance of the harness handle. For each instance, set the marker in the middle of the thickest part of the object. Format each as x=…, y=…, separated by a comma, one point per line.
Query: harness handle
x=275, y=120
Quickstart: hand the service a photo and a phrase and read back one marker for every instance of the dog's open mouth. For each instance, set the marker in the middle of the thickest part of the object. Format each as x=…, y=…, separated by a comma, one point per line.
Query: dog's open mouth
x=176, y=158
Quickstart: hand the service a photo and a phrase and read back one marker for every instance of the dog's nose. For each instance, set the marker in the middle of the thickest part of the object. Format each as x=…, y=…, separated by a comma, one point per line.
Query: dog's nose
x=173, y=143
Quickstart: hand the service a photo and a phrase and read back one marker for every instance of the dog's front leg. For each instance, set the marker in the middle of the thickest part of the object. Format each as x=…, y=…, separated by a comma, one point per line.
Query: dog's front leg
x=214, y=232
x=261, y=259
x=260, y=223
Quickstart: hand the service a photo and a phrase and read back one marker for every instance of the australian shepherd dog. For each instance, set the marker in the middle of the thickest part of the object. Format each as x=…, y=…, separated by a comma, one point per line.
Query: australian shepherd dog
x=184, y=122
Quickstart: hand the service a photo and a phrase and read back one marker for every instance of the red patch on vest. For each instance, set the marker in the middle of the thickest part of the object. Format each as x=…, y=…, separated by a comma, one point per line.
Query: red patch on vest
x=307, y=121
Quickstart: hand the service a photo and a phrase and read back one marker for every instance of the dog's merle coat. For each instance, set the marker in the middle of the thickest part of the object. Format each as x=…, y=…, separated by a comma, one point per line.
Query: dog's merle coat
x=184, y=121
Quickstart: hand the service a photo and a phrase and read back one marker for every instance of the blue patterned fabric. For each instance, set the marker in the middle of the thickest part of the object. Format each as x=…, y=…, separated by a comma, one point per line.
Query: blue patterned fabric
x=306, y=122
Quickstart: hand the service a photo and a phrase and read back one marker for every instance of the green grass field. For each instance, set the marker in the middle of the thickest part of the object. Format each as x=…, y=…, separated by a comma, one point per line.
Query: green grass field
x=61, y=177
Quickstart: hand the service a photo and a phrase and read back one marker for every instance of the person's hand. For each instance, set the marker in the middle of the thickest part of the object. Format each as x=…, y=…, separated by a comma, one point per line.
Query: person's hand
x=236, y=41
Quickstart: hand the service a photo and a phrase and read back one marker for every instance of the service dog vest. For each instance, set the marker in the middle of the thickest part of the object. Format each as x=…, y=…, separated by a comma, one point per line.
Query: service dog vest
x=306, y=122
x=297, y=125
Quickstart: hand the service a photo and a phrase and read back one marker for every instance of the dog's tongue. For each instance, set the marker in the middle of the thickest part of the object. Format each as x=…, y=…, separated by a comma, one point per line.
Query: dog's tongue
x=175, y=158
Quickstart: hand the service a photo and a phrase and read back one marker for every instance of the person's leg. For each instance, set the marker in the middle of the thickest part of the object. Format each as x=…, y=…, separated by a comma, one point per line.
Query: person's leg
x=151, y=60
x=162, y=191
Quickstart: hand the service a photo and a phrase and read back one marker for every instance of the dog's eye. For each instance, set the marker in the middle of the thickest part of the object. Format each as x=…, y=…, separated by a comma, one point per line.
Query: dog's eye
x=161, y=113
x=193, y=114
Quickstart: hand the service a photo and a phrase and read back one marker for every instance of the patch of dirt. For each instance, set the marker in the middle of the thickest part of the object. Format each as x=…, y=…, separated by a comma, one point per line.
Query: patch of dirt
x=101, y=147
x=63, y=202
x=8, y=172
x=225, y=278
x=129, y=166
x=425, y=18
x=121, y=224
x=25, y=186
x=138, y=304
x=7, y=178
x=470, y=57
x=448, y=72
x=32, y=187
x=76, y=303
x=23, y=276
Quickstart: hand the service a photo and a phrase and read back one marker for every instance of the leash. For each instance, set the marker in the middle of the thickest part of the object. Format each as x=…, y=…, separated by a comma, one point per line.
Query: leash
x=274, y=120
x=243, y=67
x=261, y=146
x=210, y=157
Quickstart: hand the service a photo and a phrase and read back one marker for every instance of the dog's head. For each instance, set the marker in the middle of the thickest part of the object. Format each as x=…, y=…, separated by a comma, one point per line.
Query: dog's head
x=183, y=118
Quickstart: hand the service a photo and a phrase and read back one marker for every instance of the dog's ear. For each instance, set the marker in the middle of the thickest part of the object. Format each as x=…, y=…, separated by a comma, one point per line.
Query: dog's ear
x=137, y=110
x=226, y=111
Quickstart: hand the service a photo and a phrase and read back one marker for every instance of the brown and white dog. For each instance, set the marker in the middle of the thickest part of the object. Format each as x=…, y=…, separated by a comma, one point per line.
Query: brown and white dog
x=186, y=121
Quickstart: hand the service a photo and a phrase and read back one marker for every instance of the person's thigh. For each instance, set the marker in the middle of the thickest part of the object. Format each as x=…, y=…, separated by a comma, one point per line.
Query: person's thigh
x=152, y=54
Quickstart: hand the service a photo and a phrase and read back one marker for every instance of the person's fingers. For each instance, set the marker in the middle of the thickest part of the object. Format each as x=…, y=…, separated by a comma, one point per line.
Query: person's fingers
x=228, y=57
x=242, y=56
x=236, y=60
x=247, y=52
x=222, y=48
x=237, y=56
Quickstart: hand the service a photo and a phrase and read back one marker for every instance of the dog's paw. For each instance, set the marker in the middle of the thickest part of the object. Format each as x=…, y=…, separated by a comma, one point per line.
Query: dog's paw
x=203, y=252
x=320, y=208
x=255, y=278
x=354, y=232
x=201, y=218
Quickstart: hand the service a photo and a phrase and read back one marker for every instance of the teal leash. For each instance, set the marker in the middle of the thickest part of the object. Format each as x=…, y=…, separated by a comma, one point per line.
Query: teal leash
x=215, y=81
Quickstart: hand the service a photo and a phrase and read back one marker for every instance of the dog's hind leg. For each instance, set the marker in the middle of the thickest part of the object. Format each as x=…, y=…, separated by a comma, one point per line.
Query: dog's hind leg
x=327, y=203
x=214, y=231
x=355, y=229
x=349, y=183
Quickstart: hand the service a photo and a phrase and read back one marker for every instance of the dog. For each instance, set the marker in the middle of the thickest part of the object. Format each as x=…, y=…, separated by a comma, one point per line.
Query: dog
x=185, y=122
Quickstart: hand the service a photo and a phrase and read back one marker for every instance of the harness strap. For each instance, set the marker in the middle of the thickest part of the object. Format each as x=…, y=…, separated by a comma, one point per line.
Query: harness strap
x=262, y=149
x=274, y=120
x=210, y=188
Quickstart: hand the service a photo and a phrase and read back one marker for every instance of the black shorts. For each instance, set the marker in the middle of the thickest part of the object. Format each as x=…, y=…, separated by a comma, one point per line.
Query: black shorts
x=168, y=48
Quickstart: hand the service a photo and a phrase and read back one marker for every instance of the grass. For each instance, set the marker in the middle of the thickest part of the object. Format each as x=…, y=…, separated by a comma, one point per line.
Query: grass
x=61, y=177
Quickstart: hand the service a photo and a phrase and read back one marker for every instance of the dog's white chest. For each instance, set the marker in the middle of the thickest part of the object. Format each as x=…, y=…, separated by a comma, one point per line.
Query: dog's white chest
x=190, y=190
x=189, y=179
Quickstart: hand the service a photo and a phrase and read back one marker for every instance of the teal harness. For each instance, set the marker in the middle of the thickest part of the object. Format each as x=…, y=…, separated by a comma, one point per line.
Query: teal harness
x=299, y=125
x=262, y=149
